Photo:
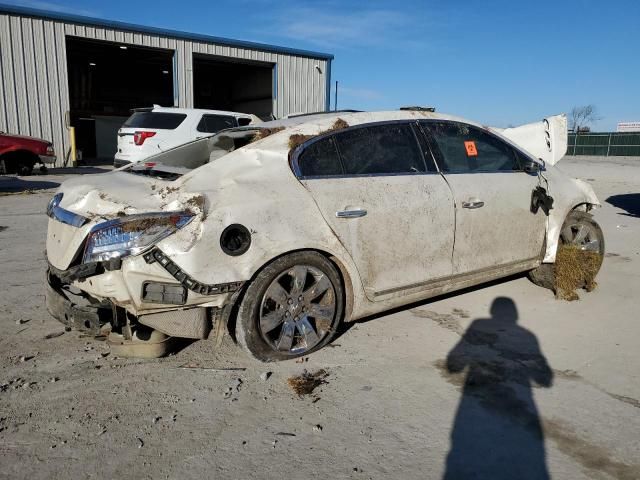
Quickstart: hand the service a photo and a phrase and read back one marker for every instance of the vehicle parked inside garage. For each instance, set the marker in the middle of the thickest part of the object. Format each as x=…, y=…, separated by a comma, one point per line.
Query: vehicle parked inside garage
x=19, y=153
x=290, y=227
x=149, y=131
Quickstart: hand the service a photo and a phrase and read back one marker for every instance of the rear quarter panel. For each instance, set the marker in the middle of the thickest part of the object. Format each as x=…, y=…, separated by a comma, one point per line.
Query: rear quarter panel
x=254, y=187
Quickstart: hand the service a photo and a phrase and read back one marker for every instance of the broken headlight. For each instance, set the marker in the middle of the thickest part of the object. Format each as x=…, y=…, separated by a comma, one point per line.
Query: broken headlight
x=131, y=235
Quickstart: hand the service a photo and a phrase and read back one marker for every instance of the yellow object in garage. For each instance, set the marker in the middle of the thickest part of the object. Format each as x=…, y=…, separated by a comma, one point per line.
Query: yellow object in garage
x=72, y=140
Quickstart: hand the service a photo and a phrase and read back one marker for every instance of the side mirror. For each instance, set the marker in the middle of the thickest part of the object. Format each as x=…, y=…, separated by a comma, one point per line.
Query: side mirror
x=532, y=167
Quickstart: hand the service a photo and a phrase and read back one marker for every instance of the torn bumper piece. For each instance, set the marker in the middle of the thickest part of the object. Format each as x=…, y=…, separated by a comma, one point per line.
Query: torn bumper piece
x=87, y=318
x=85, y=270
x=189, y=323
x=161, y=307
x=156, y=255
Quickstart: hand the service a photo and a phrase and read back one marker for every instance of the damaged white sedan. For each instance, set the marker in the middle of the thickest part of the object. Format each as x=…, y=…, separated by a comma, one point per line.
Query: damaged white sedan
x=283, y=230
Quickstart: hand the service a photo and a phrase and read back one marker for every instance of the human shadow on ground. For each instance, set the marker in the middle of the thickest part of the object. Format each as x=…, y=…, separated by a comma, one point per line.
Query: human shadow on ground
x=497, y=431
x=628, y=201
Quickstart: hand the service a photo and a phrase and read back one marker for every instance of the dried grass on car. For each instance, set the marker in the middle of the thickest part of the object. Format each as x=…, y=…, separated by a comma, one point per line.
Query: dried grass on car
x=575, y=269
x=265, y=132
x=298, y=139
x=306, y=383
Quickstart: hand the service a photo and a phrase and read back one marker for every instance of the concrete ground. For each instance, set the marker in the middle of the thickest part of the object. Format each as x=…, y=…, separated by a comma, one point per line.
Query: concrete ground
x=551, y=389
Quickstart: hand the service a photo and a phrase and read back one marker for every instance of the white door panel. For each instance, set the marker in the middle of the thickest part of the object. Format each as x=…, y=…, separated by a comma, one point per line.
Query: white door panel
x=494, y=224
x=398, y=229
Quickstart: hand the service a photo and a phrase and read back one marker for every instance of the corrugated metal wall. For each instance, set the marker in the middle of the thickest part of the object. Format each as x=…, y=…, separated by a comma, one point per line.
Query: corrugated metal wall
x=34, y=89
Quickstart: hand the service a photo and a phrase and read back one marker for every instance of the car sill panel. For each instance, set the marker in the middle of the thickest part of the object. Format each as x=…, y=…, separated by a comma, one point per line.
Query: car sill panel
x=459, y=281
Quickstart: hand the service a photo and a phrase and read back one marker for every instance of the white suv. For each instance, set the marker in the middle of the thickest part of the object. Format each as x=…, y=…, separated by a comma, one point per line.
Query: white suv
x=150, y=131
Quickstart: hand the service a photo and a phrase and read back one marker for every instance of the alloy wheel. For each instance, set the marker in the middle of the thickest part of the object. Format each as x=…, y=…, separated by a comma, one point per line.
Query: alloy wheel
x=581, y=234
x=297, y=309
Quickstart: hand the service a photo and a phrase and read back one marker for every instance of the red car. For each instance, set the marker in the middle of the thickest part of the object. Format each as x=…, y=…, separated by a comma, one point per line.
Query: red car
x=18, y=153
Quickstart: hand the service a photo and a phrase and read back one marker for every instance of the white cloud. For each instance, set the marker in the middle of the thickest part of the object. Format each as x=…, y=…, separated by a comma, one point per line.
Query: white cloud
x=335, y=27
x=355, y=28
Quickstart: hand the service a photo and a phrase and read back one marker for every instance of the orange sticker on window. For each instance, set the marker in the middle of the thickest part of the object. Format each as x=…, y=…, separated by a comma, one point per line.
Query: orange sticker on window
x=471, y=149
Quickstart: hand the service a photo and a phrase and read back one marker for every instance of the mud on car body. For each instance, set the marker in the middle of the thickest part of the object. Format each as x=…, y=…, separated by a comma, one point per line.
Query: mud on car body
x=292, y=226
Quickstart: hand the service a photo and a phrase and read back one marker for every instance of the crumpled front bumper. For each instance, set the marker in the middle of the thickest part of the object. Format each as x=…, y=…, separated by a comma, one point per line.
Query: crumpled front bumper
x=64, y=308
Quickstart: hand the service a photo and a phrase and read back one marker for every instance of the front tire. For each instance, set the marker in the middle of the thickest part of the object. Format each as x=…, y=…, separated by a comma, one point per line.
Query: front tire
x=291, y=308
x=25, y=168
x=579, y=229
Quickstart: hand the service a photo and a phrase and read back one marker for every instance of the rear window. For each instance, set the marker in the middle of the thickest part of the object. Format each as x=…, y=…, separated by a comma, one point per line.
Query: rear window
x=160, y=120
x=380, y=149
x=215, y=123
x=320, y=159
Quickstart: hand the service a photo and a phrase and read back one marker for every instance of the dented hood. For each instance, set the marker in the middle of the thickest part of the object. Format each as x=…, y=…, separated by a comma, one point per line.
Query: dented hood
x=546, y=139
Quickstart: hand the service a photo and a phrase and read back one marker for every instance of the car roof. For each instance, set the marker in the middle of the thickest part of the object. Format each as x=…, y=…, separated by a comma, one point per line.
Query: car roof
x=354, y=118
x=197, y=111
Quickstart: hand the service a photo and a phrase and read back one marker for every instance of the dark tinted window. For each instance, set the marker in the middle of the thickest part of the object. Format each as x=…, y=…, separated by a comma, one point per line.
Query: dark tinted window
x=243, y=121
x=215, y=123
x=161, y=120
x=426, y=150
x=467, y=149
x=320, y=158
x=381, y=149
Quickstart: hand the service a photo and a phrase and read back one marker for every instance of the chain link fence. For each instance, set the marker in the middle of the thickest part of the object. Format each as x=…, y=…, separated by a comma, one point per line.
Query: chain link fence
x=604, y=144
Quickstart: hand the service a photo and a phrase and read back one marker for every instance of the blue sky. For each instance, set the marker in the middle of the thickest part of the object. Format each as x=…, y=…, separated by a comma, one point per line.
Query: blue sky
x=498, y=62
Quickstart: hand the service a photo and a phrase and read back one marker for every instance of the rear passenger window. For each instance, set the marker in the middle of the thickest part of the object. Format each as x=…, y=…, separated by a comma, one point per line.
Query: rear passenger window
x=320, y=159
x=215, y=123
x=465, y=148
x=381, y=149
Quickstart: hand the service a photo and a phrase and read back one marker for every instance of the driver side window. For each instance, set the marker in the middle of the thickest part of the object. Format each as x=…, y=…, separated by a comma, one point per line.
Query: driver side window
x=465, y=149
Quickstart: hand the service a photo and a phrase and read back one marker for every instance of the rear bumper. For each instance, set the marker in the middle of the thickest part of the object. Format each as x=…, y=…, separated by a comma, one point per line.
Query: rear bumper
x=88, y=318
x=47, y=159
x=195, y=323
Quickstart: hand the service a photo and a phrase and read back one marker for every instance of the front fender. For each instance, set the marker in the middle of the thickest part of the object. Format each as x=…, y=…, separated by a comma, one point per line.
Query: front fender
x=574, y=193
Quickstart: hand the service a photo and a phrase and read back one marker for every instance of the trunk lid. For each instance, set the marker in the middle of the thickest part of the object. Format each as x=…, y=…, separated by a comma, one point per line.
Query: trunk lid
x=111, y=194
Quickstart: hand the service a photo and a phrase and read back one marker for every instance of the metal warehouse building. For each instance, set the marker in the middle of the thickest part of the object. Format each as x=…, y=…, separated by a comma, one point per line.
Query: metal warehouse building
x=59, y=70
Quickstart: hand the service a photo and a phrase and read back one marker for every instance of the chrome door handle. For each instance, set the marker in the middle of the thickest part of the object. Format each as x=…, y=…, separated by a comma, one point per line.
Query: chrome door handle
x=472, y=205
x=351, y=213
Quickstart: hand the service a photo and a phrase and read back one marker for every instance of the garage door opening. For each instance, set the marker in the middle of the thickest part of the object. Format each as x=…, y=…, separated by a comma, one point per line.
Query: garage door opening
x=235, y=86
x=107, y=80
